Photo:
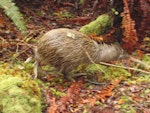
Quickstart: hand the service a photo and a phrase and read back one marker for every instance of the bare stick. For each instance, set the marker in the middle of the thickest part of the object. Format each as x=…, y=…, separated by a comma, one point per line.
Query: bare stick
x=107, y=64
x=93, y=61
x=140, y=62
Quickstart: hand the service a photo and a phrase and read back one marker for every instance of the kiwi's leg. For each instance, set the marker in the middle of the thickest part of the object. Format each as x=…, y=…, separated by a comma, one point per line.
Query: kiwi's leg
x=36, y=65
x=68, y=75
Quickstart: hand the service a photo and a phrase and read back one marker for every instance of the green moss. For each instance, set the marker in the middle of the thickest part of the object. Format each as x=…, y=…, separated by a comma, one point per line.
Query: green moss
x=106, y=73
x=146, y=59
x=95, y=68
x=138, y=79
x=98, y=27
x=113, y=72
x=18, y=92
x=57, y=93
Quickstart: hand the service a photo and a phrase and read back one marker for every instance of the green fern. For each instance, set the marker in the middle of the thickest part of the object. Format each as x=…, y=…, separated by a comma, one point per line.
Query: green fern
x=12, y=11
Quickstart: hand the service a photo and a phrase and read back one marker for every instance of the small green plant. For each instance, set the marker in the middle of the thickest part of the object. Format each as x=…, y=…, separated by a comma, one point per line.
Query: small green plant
x=63, y=15
x=57, y=93
x=12, y=11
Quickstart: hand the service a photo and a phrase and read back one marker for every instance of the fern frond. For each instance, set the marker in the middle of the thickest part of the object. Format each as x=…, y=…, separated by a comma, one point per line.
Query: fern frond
x=12, y=11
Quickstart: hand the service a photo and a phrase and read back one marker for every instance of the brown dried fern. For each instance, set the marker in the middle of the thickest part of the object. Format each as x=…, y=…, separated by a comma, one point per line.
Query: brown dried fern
x=130, y=35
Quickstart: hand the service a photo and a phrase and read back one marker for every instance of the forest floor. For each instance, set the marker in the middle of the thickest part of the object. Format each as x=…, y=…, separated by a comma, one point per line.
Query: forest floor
x=117, y=91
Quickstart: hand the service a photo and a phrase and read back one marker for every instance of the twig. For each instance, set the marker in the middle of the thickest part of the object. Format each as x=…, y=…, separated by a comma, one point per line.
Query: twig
x=31, y=32
x=93, y=61
x=107, y=64
x=3, y=39
x=140, y=62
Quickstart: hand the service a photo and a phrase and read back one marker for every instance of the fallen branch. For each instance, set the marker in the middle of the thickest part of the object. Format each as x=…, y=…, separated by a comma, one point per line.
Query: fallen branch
x=140, y=62
x=107, y=64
